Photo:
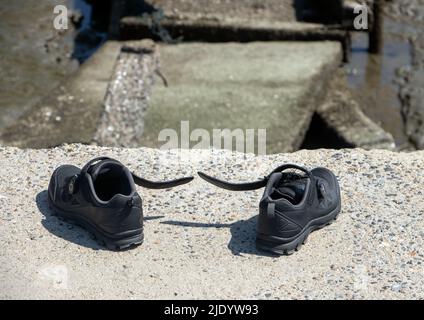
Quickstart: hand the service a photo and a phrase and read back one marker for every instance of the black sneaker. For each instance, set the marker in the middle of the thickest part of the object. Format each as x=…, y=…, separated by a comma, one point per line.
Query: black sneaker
x=293, y=205
x=102, y=198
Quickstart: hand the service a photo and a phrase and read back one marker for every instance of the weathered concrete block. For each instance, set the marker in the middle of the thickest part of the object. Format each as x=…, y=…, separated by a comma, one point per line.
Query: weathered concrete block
x=200, y=240
x=342, y=113
x=275, y=86
x=412, y=93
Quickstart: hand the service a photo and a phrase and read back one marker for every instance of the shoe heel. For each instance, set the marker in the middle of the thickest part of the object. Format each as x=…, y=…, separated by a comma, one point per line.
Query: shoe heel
x=280, y=248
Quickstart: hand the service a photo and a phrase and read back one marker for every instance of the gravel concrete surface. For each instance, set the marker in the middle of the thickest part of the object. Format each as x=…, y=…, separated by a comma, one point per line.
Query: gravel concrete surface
x=199, y=240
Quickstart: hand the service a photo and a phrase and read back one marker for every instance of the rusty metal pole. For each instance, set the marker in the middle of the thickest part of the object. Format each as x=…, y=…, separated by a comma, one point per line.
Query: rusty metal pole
x=376, y=33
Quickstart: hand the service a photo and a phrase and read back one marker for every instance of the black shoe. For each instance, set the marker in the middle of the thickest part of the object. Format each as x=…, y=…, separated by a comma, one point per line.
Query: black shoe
x=293, y=205
x=102, y=198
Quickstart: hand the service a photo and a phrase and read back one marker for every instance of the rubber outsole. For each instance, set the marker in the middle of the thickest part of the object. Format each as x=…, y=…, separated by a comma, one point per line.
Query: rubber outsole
x=114, y=243
x=282, y=248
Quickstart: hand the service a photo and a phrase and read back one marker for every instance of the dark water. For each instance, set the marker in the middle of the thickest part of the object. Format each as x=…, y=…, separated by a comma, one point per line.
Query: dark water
x=373, y=79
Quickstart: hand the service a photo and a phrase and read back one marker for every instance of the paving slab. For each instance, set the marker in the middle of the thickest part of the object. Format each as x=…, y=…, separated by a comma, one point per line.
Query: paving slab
x=275, y=86
x=199, y=240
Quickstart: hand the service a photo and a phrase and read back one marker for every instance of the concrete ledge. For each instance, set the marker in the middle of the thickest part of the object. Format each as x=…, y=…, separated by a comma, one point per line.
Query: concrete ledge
x=200, y=239
x=192, y=28
x=215, y=29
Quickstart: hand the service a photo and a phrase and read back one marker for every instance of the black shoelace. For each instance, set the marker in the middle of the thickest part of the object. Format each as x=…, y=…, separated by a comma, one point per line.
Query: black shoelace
x=139, y=180
x=246, y=186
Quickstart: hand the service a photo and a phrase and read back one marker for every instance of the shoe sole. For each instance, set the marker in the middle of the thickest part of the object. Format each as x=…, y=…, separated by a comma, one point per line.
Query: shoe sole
x=280, y=247
x=112, y=242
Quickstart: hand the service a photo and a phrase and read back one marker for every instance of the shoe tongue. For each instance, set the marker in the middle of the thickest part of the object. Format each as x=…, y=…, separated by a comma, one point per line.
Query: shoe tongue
x=288, y=191
x=293, y=189
x=102, y=167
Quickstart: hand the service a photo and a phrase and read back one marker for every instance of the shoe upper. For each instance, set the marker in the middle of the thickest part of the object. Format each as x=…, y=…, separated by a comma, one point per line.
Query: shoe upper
x=291, y=201
x=103, y=194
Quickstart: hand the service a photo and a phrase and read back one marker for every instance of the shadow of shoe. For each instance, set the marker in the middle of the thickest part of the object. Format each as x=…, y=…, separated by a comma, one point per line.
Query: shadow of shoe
x=68, y=231
x=243, y=234
x=62, y=229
